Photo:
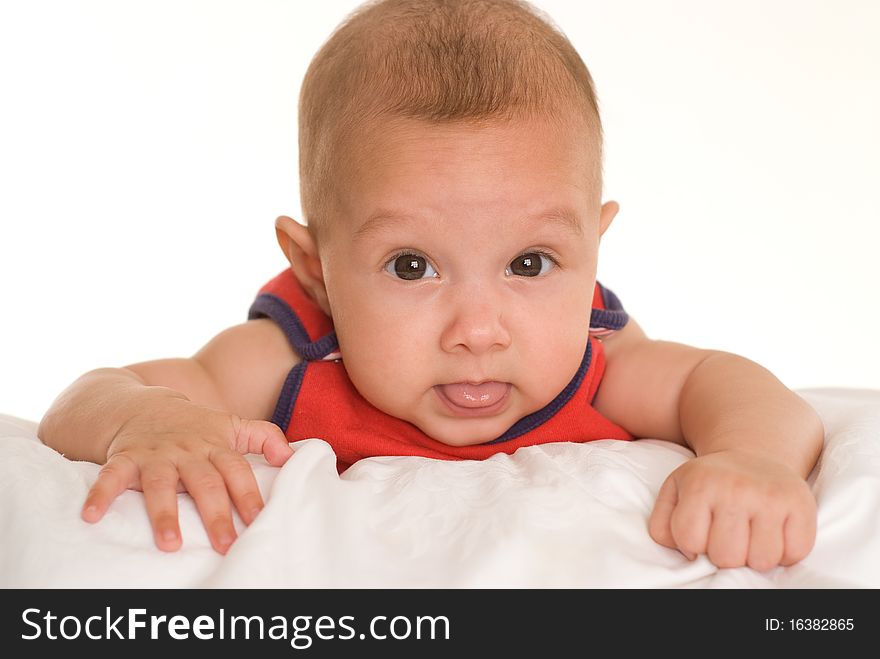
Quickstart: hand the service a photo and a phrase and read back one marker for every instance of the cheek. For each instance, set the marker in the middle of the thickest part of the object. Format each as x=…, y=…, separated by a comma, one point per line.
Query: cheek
x=383, y=345
x=553, y=339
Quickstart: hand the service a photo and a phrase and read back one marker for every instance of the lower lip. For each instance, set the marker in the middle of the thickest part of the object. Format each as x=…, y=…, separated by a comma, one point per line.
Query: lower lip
x=489, y=410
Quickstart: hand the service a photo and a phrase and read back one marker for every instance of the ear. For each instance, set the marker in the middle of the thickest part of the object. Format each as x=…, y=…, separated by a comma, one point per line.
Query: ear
x=301, y=251
x=606, y=215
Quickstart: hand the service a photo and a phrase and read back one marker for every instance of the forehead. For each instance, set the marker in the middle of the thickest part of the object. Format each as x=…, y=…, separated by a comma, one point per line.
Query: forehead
x=562, y=219
x=530, y=168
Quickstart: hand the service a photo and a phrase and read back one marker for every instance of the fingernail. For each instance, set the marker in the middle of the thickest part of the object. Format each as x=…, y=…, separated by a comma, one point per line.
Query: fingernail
x=90, y=511
x=169, y=535
x=253, y=514
x=689, y=556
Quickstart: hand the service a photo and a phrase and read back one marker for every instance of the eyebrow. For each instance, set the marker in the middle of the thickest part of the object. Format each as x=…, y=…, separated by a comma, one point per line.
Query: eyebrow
x=384, y=220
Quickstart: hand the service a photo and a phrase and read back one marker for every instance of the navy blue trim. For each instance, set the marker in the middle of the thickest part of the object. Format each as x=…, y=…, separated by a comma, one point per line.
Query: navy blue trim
x=613, y=316
x=289, y=393
x=609, y=299
x=271, y=306
x=535, y=419
x=608, y=319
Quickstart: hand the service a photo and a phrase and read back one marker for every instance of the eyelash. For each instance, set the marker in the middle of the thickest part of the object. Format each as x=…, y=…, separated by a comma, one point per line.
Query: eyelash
x=409, y=252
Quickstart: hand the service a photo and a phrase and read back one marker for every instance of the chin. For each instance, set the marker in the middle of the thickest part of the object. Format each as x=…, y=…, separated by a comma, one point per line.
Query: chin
x=467, y=432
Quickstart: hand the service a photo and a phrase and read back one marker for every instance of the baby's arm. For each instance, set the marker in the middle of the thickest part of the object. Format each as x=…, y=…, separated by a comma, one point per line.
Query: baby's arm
x=164, y=424
x=744, y=499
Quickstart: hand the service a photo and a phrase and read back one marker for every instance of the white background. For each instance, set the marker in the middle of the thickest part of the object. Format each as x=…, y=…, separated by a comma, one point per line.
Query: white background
x=146, y=148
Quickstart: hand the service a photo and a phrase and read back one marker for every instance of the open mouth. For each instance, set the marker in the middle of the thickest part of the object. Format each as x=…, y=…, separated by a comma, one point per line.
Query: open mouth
x=467, y=399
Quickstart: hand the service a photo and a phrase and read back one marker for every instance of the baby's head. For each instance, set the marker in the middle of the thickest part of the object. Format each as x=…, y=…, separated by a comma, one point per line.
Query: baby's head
x=450, y=164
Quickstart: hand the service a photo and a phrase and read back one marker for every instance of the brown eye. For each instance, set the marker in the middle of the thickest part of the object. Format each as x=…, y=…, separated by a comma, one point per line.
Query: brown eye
x=529, y=265
x=410, y=267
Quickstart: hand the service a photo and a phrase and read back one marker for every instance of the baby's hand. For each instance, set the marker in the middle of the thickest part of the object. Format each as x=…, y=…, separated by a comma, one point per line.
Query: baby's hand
x=738, y=509
x=176, y=446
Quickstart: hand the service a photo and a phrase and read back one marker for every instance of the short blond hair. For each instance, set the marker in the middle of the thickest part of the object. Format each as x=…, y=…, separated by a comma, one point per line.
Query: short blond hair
x=443, y=61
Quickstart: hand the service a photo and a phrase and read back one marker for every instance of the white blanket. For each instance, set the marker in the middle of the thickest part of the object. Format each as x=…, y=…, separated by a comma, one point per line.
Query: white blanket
x=559, y=515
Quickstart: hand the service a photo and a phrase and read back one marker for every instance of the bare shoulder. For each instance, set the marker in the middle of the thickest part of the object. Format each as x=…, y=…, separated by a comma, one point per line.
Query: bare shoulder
x=623, y=339
x=643, y=380
x=249, y=363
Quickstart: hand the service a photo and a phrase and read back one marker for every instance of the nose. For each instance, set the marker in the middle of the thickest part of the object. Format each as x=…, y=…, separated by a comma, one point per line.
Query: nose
x=475, y=324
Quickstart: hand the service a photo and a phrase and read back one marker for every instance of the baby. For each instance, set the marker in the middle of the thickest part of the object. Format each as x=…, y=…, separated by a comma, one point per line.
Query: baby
x=442, y=301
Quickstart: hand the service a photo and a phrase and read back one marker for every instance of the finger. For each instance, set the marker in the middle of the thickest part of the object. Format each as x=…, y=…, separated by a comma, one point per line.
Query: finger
x=799, y=534
x=263, y=437
x=690, y=523
x=116, y=476
x=208, y=490
x=728, y=543
x=159, y=482
x=240, y=484
x=659, y=527
x=766, y=543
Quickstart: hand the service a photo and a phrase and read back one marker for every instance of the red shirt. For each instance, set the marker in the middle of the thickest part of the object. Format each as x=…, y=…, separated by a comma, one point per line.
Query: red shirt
x=319, y=400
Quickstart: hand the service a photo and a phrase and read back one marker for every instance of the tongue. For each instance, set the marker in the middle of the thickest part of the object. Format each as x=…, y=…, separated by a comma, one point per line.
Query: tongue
x=474, y=395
